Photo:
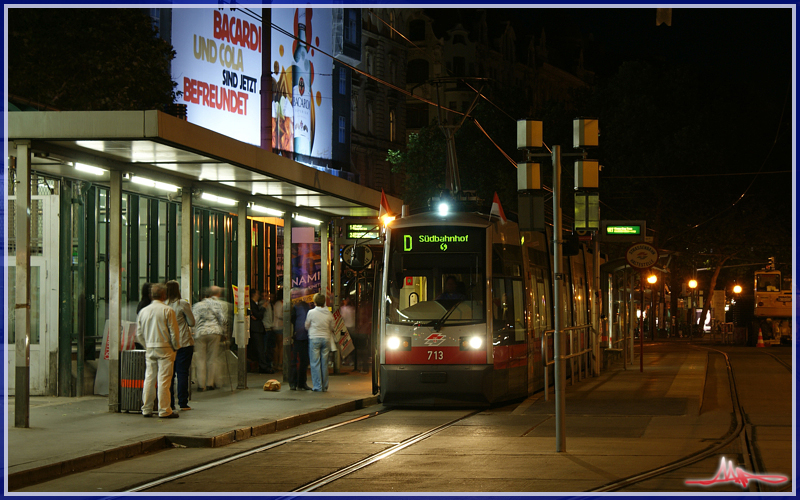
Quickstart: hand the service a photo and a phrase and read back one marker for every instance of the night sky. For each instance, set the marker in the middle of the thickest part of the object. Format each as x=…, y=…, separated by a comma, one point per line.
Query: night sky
x=740, y=44
x=745, y=52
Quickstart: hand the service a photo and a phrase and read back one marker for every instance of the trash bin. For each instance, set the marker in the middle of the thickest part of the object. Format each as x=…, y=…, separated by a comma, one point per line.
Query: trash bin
x=131, y=380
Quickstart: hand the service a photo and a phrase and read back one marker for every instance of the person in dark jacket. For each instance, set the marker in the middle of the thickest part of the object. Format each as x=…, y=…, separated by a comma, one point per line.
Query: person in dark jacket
x=146, y=298
x=298, y=362
x=258, y=333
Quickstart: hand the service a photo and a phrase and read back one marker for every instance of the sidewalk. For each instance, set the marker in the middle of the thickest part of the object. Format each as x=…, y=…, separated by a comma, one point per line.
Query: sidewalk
x=622, y=420
x=73, y=434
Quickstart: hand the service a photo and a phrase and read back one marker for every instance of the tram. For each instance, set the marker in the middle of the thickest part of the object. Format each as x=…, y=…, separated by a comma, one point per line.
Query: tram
x=467, y=299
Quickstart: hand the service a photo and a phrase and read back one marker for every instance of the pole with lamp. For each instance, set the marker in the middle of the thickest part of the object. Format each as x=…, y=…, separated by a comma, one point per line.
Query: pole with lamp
x=642, y=256
x=531, y=218
x=692, y=306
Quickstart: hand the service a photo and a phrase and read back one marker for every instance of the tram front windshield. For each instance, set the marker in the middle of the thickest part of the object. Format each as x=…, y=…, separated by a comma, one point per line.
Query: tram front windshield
x=431, y=286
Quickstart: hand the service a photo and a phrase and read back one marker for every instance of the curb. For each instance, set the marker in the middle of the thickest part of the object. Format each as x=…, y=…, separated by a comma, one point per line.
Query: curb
x=22, y=479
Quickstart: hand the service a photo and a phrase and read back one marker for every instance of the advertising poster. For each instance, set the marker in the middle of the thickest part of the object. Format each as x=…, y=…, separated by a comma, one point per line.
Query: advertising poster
x=302, y=76
x=306, y=274
x=218, y=68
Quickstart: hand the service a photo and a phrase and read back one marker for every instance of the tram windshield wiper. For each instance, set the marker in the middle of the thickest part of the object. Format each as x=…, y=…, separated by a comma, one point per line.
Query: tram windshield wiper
x=437, y=325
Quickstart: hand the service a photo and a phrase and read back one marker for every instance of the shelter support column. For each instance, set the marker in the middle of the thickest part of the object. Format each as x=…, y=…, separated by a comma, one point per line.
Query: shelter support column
x=114, y=290
x=22, y=303
x=187, y=252
x=239, y=332
x=287, y=292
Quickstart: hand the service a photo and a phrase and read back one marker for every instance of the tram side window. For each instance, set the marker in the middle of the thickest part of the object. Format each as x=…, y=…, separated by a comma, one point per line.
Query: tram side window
x=508, y=311
x=540, y=300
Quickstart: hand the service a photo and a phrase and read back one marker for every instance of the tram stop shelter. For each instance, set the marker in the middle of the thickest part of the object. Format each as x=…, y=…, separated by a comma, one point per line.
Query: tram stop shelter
x=153, y=154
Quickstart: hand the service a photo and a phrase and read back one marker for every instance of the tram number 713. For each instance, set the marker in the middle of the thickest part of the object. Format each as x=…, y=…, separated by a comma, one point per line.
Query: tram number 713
x=437, y=355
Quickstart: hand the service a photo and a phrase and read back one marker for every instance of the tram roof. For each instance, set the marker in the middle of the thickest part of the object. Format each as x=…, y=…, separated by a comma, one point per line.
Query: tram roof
x=161, y=147
x=434, y=219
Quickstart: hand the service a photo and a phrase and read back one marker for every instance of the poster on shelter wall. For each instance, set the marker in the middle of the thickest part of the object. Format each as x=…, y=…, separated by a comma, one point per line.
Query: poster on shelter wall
x=306, y=270
x=217, y=67
x=302, y=73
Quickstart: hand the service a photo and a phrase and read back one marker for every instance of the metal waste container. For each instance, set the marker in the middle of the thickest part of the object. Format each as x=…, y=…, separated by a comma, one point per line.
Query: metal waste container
x=131, y=380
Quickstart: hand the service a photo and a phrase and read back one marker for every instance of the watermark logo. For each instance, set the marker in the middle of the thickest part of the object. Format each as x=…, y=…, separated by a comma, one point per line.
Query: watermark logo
x=727, y=473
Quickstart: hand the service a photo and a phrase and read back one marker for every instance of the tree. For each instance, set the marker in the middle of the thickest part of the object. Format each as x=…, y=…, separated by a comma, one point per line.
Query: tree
x=89, y=59
x=422, y=165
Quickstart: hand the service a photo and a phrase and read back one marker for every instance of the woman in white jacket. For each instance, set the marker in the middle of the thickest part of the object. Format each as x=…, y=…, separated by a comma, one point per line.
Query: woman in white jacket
x=320, y=326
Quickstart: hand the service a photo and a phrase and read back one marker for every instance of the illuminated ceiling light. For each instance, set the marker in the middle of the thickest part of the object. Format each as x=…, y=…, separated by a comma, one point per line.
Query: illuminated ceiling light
x=218, y=199
x=89, y=169
x=307, y=220
x=265, y=210
x=443, y=209
x=154, y=184
x=166, y=187
x=144, y=182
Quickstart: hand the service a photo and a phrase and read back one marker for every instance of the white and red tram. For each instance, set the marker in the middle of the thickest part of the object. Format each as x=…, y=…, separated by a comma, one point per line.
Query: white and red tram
x=466, y=300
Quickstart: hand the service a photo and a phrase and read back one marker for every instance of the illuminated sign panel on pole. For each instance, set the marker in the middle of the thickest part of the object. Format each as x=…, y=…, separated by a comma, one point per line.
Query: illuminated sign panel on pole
x=362, y=232
x=622, y=231
x=217, y=67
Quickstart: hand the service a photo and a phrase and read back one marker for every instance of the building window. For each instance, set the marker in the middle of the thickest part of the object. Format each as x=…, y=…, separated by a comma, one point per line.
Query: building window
x=354, y=111
x=392, y=132
x=459, y=39
x=416, y=29
x=416, y=115
x=350, y=26
x=370, y=121
x=369, y=63
x=417, y=71
x=342, y=81
x=458, y=66
x=341, y=129
x=392, y=72
x=391, y=24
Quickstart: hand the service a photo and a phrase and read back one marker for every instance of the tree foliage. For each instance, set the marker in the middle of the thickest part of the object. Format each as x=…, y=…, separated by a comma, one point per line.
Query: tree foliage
x=89, y=59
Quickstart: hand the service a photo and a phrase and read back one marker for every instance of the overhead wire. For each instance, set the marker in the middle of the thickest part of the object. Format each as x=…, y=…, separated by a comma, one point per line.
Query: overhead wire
x=404, y=91
x=763, y=163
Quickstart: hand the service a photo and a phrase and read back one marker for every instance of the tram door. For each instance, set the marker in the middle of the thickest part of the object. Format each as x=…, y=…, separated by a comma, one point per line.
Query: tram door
x=44, y=296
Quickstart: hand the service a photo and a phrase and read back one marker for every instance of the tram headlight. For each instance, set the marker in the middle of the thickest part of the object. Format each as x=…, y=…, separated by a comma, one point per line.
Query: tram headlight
x=471, y=343
x=398, y=343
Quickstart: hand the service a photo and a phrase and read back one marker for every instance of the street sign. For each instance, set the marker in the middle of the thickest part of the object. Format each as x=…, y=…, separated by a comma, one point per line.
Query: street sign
x=642, y=255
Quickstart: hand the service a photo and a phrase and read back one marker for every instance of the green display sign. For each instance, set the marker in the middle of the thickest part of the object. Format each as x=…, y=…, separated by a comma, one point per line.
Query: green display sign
x=362, y=232
x=439, y=239
x=628, y=230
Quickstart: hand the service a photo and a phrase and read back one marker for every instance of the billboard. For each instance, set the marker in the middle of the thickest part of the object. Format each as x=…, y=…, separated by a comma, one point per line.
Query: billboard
x=218, y=68
x=302, y=83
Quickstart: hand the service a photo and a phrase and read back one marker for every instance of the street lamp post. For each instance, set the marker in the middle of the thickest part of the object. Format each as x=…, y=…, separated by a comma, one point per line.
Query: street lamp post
x=692, y=305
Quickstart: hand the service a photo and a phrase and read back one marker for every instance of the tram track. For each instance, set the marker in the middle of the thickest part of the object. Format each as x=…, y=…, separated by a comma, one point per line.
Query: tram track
x=321, y=481
x=742, y=431
x=247, y=453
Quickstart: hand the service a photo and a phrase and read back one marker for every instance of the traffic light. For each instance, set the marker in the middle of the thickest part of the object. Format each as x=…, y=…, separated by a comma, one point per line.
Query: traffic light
x=771, y=264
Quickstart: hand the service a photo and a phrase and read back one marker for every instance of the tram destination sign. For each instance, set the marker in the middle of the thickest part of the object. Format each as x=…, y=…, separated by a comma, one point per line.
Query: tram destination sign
x=622, y=231
x=439, y=239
